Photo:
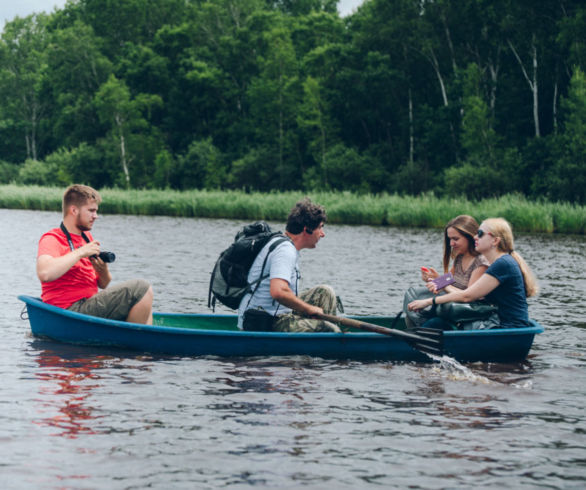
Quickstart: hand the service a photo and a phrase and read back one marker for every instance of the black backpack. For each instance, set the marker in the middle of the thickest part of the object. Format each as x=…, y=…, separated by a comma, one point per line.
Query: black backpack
x=229, y=281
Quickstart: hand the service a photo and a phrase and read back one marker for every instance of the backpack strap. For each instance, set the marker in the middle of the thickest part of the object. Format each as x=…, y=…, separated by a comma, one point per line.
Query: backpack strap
x=257, y=282
x=211, y=297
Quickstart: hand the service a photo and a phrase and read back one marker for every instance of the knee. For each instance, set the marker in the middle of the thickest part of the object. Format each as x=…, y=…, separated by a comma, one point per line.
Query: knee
x=149, y=295
x=438, y=324
x=147, y=298
x=326, y=290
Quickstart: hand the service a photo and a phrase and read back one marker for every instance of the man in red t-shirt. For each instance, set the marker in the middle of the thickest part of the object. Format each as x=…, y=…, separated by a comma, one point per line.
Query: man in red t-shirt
x=71, y=271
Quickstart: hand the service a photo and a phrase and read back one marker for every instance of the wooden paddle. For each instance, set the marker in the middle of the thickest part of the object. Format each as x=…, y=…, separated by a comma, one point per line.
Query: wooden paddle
x=428, y=340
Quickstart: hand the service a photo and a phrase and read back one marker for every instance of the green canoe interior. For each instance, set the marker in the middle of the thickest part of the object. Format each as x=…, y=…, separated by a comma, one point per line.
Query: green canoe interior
x=228, y=322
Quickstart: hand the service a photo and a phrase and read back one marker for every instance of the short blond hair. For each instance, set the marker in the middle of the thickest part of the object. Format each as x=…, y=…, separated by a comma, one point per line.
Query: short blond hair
x=78, y=195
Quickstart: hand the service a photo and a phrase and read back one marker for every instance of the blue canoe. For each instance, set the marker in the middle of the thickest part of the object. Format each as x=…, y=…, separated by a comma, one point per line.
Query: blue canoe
x=217, y=335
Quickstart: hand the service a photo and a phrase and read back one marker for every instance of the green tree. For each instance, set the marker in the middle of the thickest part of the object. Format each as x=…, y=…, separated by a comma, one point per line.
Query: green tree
x=274, y=96
x=313, y=119
x=571, y=37
x=35, y=172
x=530, y=32
x=83, y=164
x=479, y=139
x=202, y=166
x=488, y=169
x=389, y=89
x=263, y=93
x=8, y=172
x=164, y=167
x=254, y=170
x=76, y=70
x=567, y=178
x=349, y=170
x=212, y=59
x=129, y=129
x=22, y=75
x=119, y=22
x=304, y=7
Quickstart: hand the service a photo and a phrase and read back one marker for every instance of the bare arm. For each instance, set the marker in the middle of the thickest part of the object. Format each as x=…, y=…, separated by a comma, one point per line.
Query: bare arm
x=479, y=289
x=447, y=289
x=281, y=292
x=476, y=274
x=101, y=268
x=50, y=268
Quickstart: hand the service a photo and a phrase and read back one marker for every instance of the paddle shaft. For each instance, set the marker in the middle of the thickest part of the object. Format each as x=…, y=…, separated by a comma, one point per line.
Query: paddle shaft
x=371, y=327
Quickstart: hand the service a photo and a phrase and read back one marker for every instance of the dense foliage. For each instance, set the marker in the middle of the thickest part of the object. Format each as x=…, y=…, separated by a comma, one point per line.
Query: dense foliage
x=473, y=97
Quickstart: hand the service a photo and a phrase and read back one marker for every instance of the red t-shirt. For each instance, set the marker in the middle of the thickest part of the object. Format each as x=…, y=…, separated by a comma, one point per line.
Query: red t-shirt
x=81, y=281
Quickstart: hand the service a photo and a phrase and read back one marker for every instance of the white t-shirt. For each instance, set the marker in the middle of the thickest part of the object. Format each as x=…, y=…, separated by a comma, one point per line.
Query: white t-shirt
x=283, y=263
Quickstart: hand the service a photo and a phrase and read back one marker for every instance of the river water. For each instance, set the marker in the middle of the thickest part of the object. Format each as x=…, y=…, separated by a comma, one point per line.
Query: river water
x=87, y=418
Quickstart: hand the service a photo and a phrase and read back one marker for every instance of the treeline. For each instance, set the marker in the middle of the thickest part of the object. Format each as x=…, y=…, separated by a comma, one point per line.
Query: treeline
x=470, y=97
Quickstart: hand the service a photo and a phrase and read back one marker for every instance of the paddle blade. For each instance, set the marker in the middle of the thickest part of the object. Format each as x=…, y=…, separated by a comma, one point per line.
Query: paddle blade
x=430, y=340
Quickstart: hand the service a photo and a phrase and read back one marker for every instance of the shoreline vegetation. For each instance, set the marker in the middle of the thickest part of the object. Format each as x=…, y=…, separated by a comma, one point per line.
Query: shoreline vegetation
x=424, y=211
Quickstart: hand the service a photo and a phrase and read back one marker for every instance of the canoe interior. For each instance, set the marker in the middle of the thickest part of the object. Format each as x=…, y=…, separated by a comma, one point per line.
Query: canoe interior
x=229, y=322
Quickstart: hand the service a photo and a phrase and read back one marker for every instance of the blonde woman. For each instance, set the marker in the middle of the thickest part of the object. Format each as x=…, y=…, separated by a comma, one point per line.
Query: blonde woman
x=507, y=282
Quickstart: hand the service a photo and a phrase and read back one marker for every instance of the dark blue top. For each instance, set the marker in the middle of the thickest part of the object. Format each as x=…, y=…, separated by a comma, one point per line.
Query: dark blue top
x=509, y=295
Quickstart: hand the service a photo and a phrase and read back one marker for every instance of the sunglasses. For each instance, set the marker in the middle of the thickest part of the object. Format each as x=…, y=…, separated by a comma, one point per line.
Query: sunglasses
x=481, y=233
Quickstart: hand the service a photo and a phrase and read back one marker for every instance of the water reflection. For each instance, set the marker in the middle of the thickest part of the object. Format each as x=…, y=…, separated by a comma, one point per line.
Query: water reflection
x=68, y=383
x=256, y=379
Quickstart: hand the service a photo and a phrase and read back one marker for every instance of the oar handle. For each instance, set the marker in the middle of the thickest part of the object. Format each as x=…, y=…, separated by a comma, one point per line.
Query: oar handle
x=371, y=327
x=350, y=322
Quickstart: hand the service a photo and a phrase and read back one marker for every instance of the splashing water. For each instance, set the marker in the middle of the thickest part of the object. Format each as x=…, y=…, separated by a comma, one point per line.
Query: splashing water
x=456, y=371
x=452, y=369
x=525, y=385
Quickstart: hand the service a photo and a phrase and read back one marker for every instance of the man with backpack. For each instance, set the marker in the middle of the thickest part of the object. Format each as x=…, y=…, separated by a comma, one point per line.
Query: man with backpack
x=274, y=303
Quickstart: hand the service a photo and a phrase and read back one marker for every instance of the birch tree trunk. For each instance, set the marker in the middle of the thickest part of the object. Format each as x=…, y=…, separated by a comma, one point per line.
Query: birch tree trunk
x=31, y=112
x=555, y=107
x=493, y=68
x=433, y=60
x=411, y=129
x=532, y=81
x=123, y=161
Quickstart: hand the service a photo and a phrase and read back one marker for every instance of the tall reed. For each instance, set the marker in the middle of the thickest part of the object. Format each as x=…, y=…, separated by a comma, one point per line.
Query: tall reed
x=426, y=210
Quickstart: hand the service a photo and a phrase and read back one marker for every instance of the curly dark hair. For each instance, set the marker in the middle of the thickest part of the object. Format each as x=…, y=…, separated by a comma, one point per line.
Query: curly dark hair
x=305, y=214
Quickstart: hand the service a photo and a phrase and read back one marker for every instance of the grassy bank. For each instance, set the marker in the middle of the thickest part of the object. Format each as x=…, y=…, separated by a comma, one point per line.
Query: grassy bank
x=385, y=210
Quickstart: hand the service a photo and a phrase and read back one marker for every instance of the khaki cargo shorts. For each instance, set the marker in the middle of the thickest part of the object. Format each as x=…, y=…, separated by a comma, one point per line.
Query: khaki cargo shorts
x=322, y=296
x=114, y=302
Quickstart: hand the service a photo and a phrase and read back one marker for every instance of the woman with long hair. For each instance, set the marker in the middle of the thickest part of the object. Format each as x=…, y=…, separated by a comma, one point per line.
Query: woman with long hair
x=467, y=264
x=507, y=282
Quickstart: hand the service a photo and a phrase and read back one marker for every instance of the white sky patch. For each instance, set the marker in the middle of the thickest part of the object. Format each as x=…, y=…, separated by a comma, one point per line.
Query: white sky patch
x=9, y=9
x=347, y=7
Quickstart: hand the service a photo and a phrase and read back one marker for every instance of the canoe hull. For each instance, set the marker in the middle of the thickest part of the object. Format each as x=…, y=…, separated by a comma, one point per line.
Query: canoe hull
x=216, y=335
